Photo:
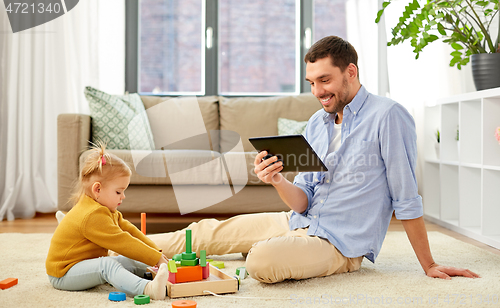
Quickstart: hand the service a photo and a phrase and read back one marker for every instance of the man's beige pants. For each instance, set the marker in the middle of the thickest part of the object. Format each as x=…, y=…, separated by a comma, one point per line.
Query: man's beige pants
x=274, y=252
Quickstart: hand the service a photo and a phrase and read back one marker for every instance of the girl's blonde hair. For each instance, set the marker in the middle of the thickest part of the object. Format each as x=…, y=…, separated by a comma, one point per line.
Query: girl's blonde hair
x=99, y=166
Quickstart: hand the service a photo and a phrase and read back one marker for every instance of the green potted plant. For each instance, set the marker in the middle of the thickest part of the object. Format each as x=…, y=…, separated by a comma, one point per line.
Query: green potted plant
x=464, y=24
x=436, y=145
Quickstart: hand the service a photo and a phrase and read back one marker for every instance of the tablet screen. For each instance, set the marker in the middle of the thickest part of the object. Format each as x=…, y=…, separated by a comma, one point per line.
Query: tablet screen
x=296, y=153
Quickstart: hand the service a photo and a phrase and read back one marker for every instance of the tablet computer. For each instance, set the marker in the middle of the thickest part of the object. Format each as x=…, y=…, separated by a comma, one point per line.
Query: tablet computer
x=294, y=150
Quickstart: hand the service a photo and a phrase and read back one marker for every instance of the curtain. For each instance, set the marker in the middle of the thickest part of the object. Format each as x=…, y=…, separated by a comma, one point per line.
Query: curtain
x=43, y=73
x=369, y=40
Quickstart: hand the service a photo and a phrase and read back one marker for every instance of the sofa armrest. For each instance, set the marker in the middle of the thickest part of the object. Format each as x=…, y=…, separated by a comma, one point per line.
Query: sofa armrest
x=73, y=135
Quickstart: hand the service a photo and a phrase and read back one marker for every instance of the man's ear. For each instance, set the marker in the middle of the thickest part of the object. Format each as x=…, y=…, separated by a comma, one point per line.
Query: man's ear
x=96, y=189
x=352, y=71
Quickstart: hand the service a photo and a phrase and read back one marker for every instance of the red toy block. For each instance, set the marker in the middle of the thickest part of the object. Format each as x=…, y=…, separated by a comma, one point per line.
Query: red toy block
x=205, y=271
x=7, y=283
x=171, y=277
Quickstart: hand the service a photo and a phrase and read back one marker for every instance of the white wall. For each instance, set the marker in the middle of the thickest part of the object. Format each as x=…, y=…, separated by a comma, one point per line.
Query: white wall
x=417, y=82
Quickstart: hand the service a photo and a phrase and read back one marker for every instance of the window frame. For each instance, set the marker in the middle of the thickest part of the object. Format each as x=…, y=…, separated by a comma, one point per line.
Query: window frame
x=210, y=69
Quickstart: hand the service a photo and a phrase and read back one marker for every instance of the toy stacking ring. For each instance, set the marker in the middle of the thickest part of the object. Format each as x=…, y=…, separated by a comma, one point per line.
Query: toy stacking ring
x=141, y=299
x=117, y=296
x=184, y=304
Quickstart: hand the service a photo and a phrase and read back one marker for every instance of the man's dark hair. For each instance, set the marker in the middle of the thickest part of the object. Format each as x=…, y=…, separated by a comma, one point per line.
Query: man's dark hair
x=340, y=51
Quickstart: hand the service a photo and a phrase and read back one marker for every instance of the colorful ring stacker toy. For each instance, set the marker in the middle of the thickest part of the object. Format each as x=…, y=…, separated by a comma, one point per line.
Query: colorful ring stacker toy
x=117, y=296
x=141, y=299
x=184, y=304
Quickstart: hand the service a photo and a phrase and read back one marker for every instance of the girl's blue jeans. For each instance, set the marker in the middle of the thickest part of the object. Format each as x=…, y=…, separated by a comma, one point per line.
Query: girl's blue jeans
x=121, y=272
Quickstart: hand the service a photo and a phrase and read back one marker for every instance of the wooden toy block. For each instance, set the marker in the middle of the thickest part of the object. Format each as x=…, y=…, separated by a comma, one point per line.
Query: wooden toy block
x=188, y=258
x=172, y=267
x=190, y=262
x=192, y=279
x=189, y=273
x=186, y=274
x=188, y=241
x=188, y=255
x=143, y=223
x=203, y=258
x=218, y=264
x=217, y=282
x=7, y=283
x=241, y=272
x=172, y=277
x=177, y=257
x=205, y=271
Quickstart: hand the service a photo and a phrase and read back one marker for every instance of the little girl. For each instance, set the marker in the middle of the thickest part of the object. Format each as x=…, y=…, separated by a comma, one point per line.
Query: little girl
x=78, y=254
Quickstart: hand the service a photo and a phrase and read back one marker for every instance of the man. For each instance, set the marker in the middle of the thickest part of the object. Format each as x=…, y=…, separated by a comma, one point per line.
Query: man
x=341, y=216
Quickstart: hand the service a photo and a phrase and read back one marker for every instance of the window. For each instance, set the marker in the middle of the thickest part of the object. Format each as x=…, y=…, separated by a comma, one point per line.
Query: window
x=257, y=50
x=329, y=18
x=171, y=46
x=225, y=47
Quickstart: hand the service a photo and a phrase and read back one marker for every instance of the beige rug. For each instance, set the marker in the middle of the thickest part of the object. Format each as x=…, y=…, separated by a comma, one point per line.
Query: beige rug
x=395, y=280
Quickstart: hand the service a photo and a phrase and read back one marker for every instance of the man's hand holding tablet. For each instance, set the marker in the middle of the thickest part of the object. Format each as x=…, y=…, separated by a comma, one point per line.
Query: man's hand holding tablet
x=268, y=170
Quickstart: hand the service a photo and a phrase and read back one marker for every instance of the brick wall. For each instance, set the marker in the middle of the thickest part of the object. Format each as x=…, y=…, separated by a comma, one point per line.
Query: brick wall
x=257, y=43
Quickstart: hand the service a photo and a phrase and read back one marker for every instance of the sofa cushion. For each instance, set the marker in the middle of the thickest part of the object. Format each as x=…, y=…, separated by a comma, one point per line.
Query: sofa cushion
x=291, y=127
x=172, y=108
x=182, y=167
x=111, y=117
x=257, y=117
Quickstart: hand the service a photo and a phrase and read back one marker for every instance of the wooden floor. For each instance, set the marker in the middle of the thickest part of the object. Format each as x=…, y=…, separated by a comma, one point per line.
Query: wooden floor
x=159, y=223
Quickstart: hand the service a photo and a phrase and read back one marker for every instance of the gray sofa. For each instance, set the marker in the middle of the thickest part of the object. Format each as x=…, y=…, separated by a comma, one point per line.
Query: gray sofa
x=247, y=116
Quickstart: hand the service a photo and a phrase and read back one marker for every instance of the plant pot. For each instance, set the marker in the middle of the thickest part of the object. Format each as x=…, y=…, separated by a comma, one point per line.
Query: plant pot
x=485, y=70
x=437, y=147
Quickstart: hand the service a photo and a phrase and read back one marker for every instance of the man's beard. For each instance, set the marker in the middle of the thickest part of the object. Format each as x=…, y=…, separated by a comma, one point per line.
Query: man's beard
x=342, y=101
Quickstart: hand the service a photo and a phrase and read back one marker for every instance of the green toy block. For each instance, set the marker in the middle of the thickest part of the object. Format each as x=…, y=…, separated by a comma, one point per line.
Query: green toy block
x=239, y=269
x=190, y=262
x=172, y=267
x=188, y=241
x=242, y=272
x=218, y=264
x=188, y=255
x=203, y=258
x=177, y=257
x=210, y=260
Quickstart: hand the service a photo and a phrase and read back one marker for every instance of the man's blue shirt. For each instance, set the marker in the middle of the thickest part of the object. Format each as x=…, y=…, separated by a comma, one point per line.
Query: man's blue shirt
x=371, y=175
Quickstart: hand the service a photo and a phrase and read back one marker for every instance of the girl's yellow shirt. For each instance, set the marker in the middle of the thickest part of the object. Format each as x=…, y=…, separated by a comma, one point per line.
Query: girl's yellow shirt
x=88, y=231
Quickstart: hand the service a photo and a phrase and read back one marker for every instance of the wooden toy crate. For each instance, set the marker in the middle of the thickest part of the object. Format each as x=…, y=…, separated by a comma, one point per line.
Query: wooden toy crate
x=217, y=282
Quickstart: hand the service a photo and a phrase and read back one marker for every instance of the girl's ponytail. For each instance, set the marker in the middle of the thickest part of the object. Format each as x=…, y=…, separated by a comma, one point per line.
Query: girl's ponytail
x=99, y=166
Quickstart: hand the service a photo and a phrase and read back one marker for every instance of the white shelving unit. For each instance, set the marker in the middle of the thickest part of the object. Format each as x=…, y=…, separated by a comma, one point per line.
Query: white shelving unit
x=461, y=182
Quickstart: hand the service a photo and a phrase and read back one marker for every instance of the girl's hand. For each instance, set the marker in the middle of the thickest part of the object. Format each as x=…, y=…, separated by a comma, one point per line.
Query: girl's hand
x=163, y=259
